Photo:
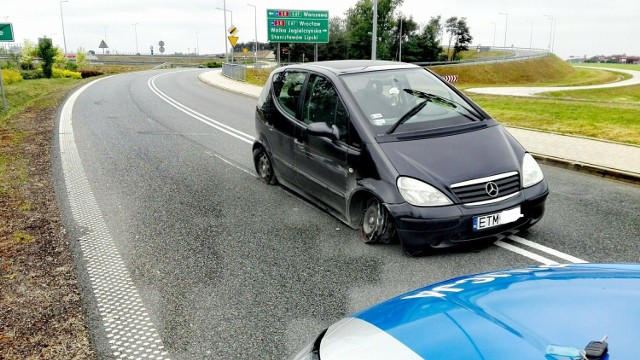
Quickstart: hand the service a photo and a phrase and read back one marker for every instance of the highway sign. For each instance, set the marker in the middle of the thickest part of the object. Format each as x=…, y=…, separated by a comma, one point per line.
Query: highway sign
x=233, y=40
x=6, y=32
x=298, y=26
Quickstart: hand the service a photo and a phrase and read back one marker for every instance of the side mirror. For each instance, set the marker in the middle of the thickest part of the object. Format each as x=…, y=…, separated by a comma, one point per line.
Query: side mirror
x=323, y=130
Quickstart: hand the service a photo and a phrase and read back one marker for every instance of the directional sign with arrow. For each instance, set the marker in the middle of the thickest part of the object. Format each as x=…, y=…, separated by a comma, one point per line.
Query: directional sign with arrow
x=298, y=26
x=6, y=32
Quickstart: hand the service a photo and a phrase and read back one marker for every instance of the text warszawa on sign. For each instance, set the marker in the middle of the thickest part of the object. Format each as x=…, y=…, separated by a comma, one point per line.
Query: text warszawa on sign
x=298, y=26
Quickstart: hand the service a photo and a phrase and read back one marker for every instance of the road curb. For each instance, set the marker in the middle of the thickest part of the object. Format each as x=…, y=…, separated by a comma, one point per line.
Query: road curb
x=596, y=170
x=208, y=81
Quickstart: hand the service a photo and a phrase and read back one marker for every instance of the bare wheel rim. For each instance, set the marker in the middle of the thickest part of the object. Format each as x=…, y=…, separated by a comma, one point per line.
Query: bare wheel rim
x=264, y=166
x=372, y=220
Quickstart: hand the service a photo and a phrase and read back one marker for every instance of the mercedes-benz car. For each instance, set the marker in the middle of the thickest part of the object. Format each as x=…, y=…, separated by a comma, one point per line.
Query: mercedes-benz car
x=395, y=151
x=561, y=312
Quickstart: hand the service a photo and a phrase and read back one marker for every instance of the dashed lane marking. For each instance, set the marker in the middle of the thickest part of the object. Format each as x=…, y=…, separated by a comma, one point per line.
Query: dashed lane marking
x=130, y=331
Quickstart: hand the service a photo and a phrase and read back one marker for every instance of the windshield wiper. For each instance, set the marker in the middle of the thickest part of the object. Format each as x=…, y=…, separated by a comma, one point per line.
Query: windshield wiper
x=428, y=97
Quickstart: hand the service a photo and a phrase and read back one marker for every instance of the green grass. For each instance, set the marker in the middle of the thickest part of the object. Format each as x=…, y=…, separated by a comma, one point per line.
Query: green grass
x=623, y=94
x=20, y=95
x=608, y=121
x=615, y=66
x=546, y=71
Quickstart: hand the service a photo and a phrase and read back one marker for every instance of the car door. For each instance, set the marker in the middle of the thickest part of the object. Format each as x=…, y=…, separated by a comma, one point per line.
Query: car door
x=287, y=89
x=321, y=161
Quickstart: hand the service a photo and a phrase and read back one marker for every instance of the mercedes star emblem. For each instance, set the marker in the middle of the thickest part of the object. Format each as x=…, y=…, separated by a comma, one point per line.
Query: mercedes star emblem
x=492, y=189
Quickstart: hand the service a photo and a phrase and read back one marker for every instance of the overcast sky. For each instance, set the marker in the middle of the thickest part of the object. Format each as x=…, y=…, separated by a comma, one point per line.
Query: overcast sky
x=582, y=27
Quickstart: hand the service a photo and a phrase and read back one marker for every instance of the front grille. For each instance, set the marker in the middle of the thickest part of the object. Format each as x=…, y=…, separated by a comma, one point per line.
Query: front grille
x=475, y=191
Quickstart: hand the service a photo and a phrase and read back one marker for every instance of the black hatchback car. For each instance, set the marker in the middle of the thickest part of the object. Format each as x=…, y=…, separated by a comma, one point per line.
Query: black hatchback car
x=393, y=150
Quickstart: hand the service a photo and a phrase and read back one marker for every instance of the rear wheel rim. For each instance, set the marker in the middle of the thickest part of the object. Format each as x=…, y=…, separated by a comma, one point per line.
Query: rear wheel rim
x=264, y=167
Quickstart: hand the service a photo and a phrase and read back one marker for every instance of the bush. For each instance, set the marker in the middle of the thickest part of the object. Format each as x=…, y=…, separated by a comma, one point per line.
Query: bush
x=213, y=64
x=31, y=74
x=59, y=73
x=89, y=73
x=11, y=76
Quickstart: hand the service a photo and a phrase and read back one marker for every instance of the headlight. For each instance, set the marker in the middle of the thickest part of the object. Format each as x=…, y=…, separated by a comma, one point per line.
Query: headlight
x=418, y=193
x=531, y=172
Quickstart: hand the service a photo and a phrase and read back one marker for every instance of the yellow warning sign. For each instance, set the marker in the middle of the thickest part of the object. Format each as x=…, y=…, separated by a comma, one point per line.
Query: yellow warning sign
x=233, y=40
x=233, y=30
x=245, y=50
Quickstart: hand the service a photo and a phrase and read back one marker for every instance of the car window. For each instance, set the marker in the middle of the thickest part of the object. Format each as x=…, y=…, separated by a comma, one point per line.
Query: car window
x=322, y=104
x=287, y=88
x=383, y=98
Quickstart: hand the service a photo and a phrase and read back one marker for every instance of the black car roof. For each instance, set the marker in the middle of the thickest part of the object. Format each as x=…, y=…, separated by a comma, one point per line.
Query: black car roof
x=355, y=66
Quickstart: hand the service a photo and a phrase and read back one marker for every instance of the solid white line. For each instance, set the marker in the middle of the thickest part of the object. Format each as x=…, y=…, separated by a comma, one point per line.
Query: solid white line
x=525, y=253
x=198, y=116
x=232, y=164
x=548, y=250
x=119, y=304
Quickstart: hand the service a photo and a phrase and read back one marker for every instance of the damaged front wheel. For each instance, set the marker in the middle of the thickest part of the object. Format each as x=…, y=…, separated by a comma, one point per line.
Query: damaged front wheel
x=376, y=224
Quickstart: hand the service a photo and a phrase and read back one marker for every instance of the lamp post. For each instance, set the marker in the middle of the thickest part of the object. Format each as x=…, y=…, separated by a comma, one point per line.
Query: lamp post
x=506, y=23
x=551, y=32
x=197, y=44
x=400, y=45
x=135, y=30
x=531, y=36
x=64, y=39
x=226, y=48
x=374, y=31
x=495, y=27
x=255, y=28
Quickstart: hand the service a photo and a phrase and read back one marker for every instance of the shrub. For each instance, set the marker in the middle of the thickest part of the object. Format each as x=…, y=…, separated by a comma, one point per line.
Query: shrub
x=31, y=74
x=213, y=64
x=89, y=73
x=59, y=73
x=11, y=76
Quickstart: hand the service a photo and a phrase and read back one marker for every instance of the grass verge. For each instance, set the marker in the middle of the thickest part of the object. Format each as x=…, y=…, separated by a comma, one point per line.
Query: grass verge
x=40, y=307
x=608, y=121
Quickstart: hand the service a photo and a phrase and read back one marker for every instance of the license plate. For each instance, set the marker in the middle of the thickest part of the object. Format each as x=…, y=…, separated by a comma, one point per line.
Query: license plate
x=496, y=219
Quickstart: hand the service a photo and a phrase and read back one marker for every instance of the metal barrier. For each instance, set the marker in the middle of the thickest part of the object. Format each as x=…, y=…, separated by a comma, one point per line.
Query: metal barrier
x=234, y=71
x=515, y=54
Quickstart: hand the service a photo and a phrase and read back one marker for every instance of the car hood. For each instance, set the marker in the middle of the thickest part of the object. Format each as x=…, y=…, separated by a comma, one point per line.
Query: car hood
x=445, y=160
x=525, y=313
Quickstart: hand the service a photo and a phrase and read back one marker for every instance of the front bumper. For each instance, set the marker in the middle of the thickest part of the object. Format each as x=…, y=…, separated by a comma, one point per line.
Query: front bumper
x=420, y=228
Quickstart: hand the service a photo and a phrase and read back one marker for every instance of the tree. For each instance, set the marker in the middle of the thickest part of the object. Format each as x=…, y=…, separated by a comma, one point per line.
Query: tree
x=462, y=37
x=359, y=25
x=431, y=47
x=451, y=25
x=47, y=52
x=28, y=52
x=81, y=58
x=407, y=29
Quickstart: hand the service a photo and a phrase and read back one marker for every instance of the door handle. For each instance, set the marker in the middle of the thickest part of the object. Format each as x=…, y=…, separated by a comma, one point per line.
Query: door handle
x=297, y=142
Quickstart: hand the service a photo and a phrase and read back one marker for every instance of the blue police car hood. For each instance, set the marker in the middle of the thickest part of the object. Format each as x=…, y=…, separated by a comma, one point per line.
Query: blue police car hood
x=448, y=159
x=529, y=313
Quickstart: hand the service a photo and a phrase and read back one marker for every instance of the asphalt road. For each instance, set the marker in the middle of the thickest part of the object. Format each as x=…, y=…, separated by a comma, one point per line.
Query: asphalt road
x=226, y=267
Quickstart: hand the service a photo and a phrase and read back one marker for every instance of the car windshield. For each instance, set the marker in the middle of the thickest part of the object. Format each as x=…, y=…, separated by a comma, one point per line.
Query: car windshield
x=407, y=100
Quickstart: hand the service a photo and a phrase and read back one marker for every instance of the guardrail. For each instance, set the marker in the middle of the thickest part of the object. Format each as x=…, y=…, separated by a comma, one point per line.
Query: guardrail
x=515, y=54
x=234, y=71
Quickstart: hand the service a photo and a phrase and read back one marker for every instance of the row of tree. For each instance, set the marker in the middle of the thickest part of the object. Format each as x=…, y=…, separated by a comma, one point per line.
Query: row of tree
x=350, y=37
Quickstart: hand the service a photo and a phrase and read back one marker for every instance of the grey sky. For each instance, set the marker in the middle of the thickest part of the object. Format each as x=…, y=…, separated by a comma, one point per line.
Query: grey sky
x=585, y=27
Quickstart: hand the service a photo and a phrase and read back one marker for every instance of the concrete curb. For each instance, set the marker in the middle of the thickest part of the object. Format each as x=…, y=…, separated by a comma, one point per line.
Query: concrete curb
x=596, y=170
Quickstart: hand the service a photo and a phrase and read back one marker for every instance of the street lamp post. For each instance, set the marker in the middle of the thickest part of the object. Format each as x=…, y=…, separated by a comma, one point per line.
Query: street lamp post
x=135, y=30
x=551, y=32
x=374, y=32
x=255, y=28
x=226, y=48
x=400, y=45
x=531, y=36
x=197, y=44
x=64, y=39
x=495, y=27
x=506, y=23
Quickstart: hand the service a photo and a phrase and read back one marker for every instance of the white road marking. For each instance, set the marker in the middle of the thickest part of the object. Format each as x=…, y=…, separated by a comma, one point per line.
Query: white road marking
x=196, y=115
x=126, y=321
x=232, y=164
x=548, y=250
x=525, y=253
x=249, y=139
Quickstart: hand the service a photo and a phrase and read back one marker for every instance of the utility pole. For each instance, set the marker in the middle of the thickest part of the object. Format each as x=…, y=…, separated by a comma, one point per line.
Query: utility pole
x=64, y=39
x=374, y=32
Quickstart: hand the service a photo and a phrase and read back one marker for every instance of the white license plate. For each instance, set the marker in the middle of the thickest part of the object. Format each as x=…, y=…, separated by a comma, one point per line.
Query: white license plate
x=496, y=219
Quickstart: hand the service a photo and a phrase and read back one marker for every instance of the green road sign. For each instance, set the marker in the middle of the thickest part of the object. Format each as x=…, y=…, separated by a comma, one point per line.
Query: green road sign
x=6, y=32
x=298, y=26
